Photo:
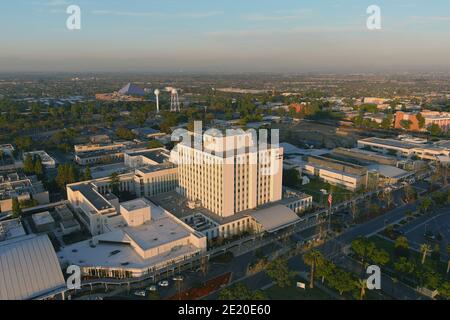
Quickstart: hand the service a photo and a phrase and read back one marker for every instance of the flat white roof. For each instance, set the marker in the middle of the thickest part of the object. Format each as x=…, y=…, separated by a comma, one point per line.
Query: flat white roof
x=42, y=218
x=135, y=205
x=117, y=255
x=114, y=249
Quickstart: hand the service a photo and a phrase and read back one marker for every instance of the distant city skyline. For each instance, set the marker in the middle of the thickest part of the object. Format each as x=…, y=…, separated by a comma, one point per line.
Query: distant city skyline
x=225, y=36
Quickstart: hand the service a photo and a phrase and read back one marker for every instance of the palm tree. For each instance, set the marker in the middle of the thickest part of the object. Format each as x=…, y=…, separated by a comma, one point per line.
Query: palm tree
x=424, y=249
x=448, y=263
x=354, y=210
x=312, y=259
x=362, y=285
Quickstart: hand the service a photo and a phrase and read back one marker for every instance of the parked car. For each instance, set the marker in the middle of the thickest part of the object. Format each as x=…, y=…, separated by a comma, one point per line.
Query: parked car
x=140, y=293
x=152, y=288
x=178, y=278
x=163, y=283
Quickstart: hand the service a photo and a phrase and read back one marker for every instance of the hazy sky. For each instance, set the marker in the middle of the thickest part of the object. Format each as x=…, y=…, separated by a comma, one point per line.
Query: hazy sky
x=225, y=35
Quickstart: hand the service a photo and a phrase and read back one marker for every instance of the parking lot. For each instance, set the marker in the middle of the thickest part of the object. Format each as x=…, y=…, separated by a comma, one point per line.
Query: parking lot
x=436, y=226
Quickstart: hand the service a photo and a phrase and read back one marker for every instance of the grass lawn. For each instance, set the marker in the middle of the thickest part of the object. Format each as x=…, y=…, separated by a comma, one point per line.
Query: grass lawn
x=313, y=188
x=293, y=293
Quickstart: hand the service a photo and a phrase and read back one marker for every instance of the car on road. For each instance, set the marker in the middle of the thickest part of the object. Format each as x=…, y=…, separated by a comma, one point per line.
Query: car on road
x=152, y=288
x=178, y=278
x=140, y=293
x=163, y=283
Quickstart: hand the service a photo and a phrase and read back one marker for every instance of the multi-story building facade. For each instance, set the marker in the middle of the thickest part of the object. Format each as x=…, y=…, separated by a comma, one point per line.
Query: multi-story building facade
x=229, y=174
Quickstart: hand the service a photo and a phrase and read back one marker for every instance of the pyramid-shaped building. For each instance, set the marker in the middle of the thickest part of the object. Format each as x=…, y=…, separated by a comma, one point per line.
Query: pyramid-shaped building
x=132, y=90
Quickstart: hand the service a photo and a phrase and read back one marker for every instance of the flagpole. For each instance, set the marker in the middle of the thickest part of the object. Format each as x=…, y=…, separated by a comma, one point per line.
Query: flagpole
x=330, y=202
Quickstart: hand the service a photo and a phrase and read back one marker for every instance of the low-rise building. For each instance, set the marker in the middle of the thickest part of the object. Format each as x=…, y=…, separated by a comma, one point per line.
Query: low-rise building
x=150, y=240
x=147, y=133
x=441, y=119
x=47, y=161
x=10, y=229
x=214, y=226
x=343, y=174
x=405, y=148
x=15, y=185
x=43, y=221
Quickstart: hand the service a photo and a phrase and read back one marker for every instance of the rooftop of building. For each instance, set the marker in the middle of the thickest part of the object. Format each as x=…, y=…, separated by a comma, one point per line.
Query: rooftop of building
x=155, y=168
x=41, y=272
x=98, y=153
x=389, y=171
x=392, y=143
x=178, y=205
x=10, y=229
x=115, y=253
x=42, y=218
x=135, y=204
x=114, y=249
x=159, y=155
x=105, y=171
x=45, y=157
x=94, y=197
x=406, y=143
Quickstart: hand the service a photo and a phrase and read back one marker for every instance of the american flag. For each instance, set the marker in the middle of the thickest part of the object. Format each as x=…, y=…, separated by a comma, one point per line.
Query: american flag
x=330, y=199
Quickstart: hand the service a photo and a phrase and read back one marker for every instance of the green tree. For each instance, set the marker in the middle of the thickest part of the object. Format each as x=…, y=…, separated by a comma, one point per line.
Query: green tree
x=325, y=270
x=279, y=272
x=420, y=120
x=444, y=290
x=425, y=205
x=409, y=192
x=16, y=210
x=24, y=143
x=342, y=281
x=380, y=257
x=362, y=286
x=448, y=262
x=436, y=253
x=38, y=167
x=386, y=123
x=28, y=164
x=401, y=246
x=435, y=130
x=115, y=183
x=125, y=134
x=291, y=178
x=406, y=124
x=404, y=266
x=240, y=292
x=67, y=174
x=363, y=248
x=313, y=259
x=87, y=174
x=424, y=250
